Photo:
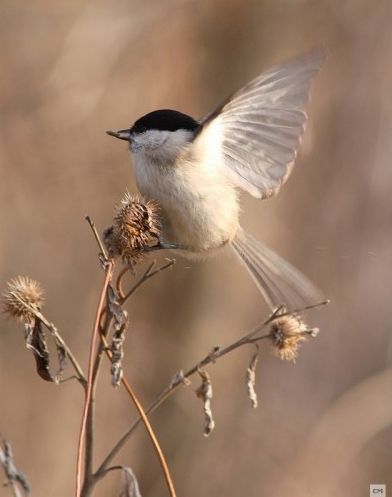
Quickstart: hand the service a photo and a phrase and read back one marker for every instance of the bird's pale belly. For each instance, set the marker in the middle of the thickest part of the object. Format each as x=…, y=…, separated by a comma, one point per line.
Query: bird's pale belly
x=199, y=213
x=199, y=229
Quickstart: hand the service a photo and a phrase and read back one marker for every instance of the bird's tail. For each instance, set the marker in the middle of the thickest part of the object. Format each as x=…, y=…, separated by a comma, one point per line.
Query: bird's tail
x=279, y=282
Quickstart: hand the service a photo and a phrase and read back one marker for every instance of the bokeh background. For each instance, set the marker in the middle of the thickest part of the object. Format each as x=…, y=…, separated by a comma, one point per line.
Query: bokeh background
x=71, y=70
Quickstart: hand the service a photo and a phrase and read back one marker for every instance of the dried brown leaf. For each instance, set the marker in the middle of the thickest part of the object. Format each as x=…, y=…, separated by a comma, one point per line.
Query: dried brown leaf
x=129, y=486
x=204, y=392
x=36, y=342
x=116, y=346
x=251, y=380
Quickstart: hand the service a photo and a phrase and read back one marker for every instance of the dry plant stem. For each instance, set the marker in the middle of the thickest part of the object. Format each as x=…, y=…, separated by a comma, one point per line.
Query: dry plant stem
x=162, y=397
x=147, y=275
x=89, y=479
x=97, y=238
x=14, y=489
x=15, y=479
x=87, y=422
x=143, y=418
x=210, y=358
x=88, y=483
x=87, y=417
x=53, y=330
x=120, y=277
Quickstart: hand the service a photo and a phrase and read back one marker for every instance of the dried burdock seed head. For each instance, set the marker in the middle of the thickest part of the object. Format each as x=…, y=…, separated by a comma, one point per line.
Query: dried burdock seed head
x=135, y=224
x=21, y=295
x=286, y=333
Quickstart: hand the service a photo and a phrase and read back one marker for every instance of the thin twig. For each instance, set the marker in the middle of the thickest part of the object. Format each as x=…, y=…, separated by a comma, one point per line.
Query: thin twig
x=88, y=397
x=120, y=277
x=97, y=238
x=178, y=380
x=147, y=275
x=147, y=424
x=163, y=396
x=14, y=476
x=88, y=473
x=93, y=372
x=93, y=378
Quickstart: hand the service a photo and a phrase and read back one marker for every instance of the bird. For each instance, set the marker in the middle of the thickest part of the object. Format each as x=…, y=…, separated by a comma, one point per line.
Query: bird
x=194, y=169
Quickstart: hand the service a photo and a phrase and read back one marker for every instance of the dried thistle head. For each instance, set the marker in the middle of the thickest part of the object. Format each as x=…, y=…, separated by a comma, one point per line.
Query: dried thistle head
x=286, y=332
x=21, y=295
x=135, y=224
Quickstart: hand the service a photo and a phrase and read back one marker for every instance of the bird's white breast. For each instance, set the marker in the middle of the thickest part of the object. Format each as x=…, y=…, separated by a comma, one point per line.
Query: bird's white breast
x=199, y=205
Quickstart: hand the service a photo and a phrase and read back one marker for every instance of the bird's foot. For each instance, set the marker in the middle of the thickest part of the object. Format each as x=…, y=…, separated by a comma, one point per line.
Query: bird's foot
x=161, y=245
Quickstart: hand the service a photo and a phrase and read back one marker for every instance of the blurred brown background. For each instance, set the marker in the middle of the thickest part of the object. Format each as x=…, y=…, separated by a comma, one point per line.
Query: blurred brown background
x=72, y=69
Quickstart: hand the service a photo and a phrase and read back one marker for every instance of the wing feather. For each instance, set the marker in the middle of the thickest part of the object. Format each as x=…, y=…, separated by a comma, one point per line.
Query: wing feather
x=278, y=281
x=259, y=128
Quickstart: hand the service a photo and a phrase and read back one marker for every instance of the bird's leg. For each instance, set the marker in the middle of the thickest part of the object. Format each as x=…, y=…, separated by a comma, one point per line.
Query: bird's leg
x=160, y=245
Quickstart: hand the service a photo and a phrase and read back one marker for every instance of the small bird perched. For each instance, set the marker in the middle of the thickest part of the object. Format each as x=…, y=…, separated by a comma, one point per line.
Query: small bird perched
x=193, y=169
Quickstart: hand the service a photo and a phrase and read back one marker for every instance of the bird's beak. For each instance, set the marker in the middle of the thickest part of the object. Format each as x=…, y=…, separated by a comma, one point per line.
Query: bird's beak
x=123, y=134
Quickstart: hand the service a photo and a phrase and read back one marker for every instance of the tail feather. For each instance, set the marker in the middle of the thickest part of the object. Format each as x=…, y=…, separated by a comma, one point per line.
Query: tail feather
x=279, y=282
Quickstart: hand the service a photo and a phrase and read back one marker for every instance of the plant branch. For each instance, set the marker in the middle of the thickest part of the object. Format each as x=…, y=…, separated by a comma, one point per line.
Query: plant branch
x=147, y=275
x=182, y=378
x=56, y=335
x=14, y=476
x=97, y=238
x=109, y=266
x=144, y=419
x=94, y=369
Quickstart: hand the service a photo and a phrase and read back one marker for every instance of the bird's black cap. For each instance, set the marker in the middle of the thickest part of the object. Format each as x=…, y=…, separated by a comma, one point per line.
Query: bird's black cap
x=165, y=120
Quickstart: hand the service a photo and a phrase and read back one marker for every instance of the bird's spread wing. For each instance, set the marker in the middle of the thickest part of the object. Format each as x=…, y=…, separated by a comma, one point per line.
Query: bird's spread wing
x=259, y=128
